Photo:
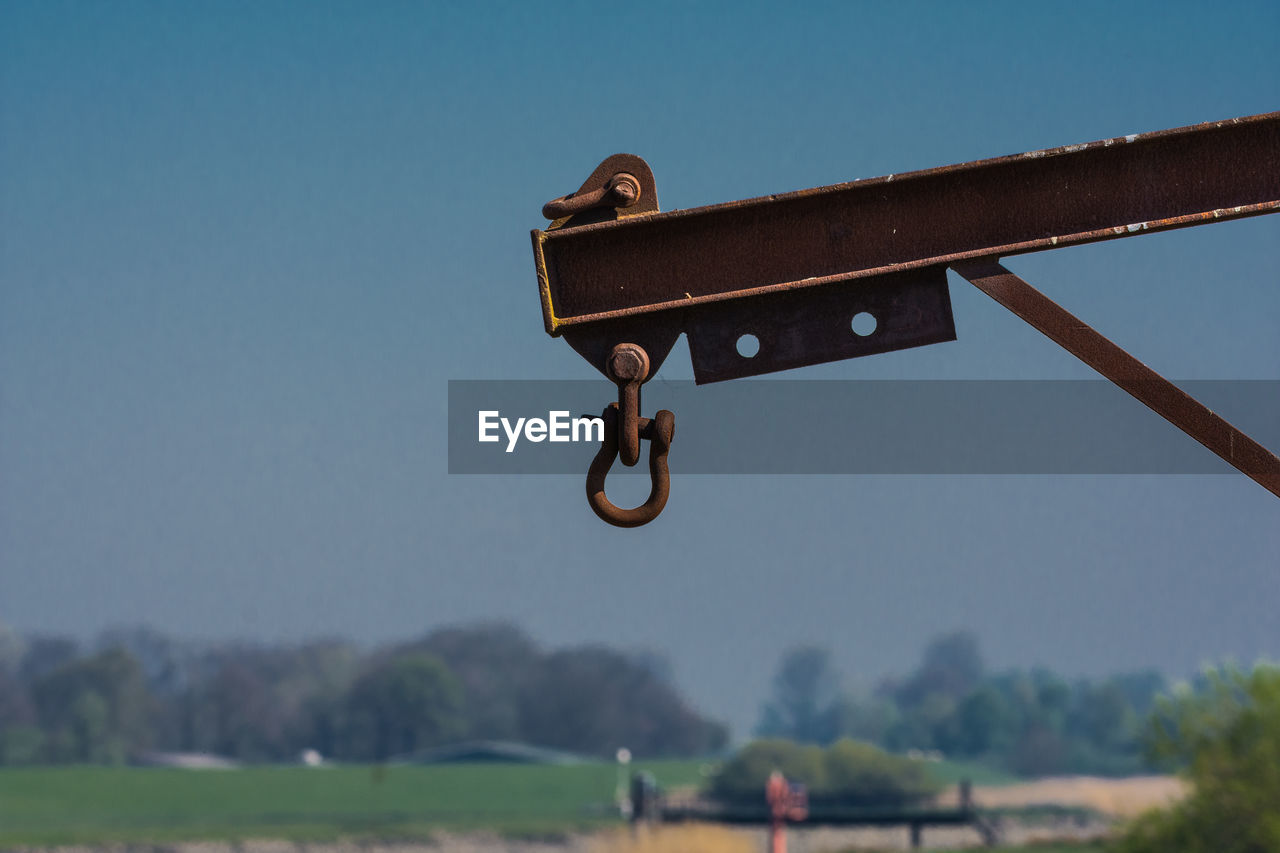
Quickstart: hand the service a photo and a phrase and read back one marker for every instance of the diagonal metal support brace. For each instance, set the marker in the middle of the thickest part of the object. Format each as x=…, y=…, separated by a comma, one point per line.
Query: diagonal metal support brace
x=1150, y=388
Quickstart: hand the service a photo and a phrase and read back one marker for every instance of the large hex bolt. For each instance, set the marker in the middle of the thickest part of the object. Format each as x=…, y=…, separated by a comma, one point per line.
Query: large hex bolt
x=628, y=366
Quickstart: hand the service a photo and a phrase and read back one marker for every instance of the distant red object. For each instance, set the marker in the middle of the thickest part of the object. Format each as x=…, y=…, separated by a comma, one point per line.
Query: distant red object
x=787, y=802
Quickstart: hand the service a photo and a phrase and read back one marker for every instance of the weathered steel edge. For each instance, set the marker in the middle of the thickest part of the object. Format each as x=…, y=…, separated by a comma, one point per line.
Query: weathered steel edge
x=1060, y=150
x=556, y=325
x=549, y=321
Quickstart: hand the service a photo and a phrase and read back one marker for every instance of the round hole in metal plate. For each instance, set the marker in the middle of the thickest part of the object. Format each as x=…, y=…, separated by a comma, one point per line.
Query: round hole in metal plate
x=748, y=346
x=863, y=324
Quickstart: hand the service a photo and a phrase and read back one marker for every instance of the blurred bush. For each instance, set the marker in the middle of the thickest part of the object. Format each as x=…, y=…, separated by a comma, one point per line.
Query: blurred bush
x=1226, y=739
x=848, y=772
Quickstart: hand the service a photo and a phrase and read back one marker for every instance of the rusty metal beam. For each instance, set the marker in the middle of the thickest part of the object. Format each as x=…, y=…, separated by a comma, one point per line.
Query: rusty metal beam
x=660, y=263
x=1159, y=394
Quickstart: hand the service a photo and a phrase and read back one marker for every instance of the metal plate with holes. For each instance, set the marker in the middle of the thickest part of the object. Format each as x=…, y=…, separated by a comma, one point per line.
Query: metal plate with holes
x=794, y=329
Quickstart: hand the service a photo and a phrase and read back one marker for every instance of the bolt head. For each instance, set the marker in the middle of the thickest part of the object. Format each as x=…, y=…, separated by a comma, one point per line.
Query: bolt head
x=628, y=362
x=625, y=190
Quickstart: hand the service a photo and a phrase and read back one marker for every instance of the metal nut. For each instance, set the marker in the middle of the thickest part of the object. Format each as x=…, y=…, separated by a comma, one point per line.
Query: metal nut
x=628, y=363
x=626, y=189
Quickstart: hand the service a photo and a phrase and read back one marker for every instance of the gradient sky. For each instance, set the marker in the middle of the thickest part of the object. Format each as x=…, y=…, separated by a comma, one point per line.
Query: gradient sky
x=244, y=246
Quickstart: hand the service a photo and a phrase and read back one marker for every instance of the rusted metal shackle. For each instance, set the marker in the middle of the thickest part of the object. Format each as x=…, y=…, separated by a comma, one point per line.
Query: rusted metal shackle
x=622, y=190
x=659, y=431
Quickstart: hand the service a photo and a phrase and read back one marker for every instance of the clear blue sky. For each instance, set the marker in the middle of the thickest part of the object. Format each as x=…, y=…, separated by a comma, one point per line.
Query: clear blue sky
x=243, y=247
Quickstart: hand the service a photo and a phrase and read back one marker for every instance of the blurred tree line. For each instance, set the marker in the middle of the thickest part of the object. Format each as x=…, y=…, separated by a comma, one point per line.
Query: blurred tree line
x=138, y=690
x=1032, y=723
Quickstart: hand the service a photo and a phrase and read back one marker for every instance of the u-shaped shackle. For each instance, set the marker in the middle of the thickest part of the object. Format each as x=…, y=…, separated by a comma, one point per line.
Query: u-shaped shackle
x=659, y=431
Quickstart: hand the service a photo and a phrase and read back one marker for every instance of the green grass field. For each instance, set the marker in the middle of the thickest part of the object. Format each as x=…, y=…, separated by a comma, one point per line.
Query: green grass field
x=951, y=772
x=93, y=804
x=59, y=805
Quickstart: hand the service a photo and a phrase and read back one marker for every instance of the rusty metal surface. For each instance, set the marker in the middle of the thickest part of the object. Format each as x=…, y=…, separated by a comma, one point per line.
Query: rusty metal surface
x=799, y=328
x=621, y=186
x=1159, y=394
x=648, y=264
x=659, y=431
x=628, y=367
x=621, y=192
